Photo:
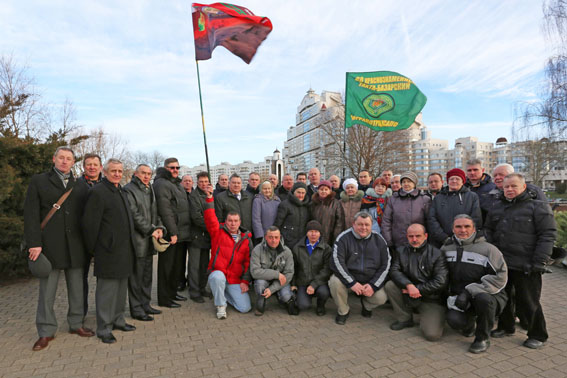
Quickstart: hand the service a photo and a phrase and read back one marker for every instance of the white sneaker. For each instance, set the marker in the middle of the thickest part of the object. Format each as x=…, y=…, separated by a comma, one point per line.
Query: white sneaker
x=221, y=312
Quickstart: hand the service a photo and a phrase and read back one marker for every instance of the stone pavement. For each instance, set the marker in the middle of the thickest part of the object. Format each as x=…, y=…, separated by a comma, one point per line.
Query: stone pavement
x=191, y=342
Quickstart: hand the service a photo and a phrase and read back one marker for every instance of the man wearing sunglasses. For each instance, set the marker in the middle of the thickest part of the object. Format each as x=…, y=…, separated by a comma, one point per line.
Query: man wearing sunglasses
x=174, y=210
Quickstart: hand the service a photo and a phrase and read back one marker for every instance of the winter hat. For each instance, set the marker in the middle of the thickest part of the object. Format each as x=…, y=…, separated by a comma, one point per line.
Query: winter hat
x=325, y=183
x=160, y=244
x=349, y=181
x=314, y=225
x=410, y=176
x=380, y=181
x=298, y=185
x=41, y=267
x=457, y=172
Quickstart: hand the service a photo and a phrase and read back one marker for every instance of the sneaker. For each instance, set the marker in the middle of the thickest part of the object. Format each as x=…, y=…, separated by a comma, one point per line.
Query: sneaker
x=498, y=333
x=221, y=312
x=479, y=346
x=398, y=326
x=341, y=319
x=533, y=344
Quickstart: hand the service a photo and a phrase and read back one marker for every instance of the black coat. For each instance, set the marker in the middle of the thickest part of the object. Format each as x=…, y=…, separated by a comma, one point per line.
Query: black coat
x=227, y=201
x=282, y=193
x=523, y=229
x=173, y=205
x=292, y=218
x=62, y=239
x=311, y=269
x=425, y=267
x=445, y=207
x=200, y=237
x=143, y=207
x=108, y=230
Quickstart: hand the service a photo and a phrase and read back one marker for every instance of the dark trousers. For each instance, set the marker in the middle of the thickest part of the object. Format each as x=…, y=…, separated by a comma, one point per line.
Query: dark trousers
x=525, y=291
x=140, y=285
x=168, y=274
x=110, y=300
x=86, y=268
x=304, y=300
x=182, y=264
x=198, y=263
x=485, y=308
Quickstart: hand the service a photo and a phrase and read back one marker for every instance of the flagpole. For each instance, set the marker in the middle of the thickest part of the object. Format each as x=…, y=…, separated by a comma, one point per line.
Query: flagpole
x=203, y=119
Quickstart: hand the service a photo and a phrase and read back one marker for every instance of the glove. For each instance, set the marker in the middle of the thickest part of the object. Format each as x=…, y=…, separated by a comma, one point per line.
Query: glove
x=463, y=300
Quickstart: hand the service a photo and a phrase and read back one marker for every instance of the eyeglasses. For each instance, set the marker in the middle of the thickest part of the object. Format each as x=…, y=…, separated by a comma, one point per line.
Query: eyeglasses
x=176, y=168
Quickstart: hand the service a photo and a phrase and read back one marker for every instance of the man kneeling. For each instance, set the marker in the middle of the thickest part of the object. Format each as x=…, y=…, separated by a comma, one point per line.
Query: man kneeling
x=477, y=277
x=271, y=266
x=419, y=278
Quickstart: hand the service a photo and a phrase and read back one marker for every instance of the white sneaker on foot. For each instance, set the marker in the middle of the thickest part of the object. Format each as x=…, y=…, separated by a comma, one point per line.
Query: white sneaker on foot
x=221, y=312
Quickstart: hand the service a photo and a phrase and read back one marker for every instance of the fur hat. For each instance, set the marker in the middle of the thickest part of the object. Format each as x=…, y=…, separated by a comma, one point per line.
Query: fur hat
x=410, y=176
x=350, y=181
x=457, y=172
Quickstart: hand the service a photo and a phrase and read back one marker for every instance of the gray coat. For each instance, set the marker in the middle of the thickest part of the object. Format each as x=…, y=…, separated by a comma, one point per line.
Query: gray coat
x=267, y=263
x=143, y=207
x=402, y=210
x=264, y=213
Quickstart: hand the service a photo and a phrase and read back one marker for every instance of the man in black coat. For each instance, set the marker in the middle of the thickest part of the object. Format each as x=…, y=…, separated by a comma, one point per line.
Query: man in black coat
x=253, y=186
x=284, y=190
x=108, y=230
x=61, y=242
x=237, y=200
x=524, y=230
x=174, y=210
x=147, y=225
x=200, y=240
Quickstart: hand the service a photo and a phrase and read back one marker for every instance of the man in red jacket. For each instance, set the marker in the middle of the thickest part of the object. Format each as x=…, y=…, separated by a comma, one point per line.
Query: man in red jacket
x=230, y=259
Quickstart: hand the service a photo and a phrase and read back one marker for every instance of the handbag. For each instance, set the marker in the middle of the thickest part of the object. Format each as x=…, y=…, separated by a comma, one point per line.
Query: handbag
x=41, y=267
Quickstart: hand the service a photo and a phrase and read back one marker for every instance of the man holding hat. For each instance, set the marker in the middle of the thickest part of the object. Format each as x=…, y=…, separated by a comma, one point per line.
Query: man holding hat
x=452, y=200
x=311, y=269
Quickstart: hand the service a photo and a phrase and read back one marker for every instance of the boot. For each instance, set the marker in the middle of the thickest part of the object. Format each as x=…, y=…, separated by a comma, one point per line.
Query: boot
x=292, y=307
x=320, y=311
x=260, y=305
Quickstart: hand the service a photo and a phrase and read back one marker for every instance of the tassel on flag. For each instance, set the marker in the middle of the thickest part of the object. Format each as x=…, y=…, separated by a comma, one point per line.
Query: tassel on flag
x=232, y=26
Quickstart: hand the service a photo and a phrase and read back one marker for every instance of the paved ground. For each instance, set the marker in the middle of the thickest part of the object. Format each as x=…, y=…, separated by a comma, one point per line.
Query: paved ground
x=191, y=342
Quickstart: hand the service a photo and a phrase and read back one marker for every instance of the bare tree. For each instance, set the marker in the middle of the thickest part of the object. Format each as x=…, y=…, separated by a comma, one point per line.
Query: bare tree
x=153, y=159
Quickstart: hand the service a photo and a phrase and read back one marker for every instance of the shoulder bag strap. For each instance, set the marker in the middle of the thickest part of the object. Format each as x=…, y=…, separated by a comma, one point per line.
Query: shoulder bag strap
x=56, y=206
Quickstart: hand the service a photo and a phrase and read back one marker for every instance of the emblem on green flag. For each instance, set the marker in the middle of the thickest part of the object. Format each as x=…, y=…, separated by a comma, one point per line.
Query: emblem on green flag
x=382, y=101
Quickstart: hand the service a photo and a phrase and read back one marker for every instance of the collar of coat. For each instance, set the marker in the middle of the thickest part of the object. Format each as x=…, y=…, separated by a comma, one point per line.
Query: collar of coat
x=414, y=193
x=325, y=201
x=110, y=185
x=356, y=198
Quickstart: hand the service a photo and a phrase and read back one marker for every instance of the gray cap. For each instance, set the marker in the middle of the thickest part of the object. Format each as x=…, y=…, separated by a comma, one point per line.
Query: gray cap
x=160, y=244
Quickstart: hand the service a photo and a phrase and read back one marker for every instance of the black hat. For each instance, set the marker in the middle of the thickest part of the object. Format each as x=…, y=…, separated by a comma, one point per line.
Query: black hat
x=298, y=185
x=314, y=225
x=41, y=267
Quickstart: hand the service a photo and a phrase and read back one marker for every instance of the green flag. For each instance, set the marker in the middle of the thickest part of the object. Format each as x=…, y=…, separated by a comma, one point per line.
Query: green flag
x=383, y=100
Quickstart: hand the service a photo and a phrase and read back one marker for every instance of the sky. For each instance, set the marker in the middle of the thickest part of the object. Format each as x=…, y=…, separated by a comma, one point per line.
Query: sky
x=129, y=66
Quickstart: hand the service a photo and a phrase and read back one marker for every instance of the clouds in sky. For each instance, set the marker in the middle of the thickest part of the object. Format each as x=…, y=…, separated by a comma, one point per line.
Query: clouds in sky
x=129, y=66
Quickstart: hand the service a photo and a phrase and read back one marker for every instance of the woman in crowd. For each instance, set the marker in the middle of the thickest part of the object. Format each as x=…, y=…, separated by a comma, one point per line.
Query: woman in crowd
x=293, y=215
x=351, y=200
x=264, y=210
x=375, y=201
x=407, y=206
x=327, y=210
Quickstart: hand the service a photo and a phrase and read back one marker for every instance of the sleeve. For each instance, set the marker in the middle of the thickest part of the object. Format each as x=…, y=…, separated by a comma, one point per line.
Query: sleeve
x=92, y=217
x=32, y=215
x=387, y=220
x=257, y=218
x=338, y=261
x=280, y=216
x=287, y=272
x=476, y=213
x=489, y=227
x=165, y=211
x=374, y=215
x=396, y=273
x=494, y=282
x=246, y=276
x=379, y=279
x=219, y=209
x=433, y=226
x=295, y=252
x=211, y=221
x=440, y=278
x=197, y=216
x=322, y=277
x=256, y=270
x=546, y=231
x=339, y=219
x=141, y=223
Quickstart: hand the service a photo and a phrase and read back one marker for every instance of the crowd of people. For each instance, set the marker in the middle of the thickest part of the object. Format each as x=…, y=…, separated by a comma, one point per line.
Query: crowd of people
x=470, y=253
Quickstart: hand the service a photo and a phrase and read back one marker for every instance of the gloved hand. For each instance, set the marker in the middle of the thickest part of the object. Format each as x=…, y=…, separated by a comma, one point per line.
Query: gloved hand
x=463, y=300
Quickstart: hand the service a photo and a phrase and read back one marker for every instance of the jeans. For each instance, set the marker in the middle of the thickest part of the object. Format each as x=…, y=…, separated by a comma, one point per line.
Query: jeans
x=304, y=300
x=224, y=292
x=284, y=293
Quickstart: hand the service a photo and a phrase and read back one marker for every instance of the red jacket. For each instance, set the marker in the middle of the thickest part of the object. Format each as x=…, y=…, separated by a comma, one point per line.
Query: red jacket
x=231, y=258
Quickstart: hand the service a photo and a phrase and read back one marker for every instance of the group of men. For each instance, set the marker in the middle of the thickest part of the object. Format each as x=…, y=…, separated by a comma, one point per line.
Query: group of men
x=476, y=277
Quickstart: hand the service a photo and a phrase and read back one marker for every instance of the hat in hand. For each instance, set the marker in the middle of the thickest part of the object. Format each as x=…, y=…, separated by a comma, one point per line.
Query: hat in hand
x=160, y=244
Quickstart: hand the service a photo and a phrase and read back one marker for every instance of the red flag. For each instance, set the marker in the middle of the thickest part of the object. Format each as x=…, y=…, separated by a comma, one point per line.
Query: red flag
x=231, y=26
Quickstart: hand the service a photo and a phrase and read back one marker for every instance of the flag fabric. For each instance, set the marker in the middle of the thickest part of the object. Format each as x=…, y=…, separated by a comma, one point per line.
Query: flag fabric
x=231, y=26
x=382, y=100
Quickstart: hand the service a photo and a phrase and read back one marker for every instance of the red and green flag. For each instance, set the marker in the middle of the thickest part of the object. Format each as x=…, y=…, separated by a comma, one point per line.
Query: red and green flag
x=382, y=100
x=232, y=26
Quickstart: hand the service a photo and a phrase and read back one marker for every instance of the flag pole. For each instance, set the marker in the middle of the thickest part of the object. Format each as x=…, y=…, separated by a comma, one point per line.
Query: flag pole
x=203, y=119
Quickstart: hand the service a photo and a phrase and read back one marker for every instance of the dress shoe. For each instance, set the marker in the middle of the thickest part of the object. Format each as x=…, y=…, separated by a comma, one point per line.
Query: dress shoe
x=341, y=319
x=180, y=298
x=108, y=339
x=398, y=326
x=479, y=346
x=498, y=333
x=533, y=344
x=143, y=318
x=41, y=343
x=83, y=332
x=198, y=299
x=152, y=311
x=320, y=310
x=171, y=305
x=126, y=327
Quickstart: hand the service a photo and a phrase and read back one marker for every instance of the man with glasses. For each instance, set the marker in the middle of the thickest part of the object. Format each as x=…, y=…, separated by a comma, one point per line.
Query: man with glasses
x=174, y=210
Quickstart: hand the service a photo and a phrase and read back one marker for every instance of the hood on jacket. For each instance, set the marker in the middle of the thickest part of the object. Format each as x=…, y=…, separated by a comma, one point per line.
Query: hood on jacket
x=357, y=197
x=294, y=200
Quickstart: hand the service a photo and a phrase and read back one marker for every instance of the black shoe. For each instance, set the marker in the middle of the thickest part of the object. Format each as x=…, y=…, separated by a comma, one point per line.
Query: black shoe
x=341, y=319
x=125, y=328
x=180, y=298
x=533, y=343
x=320, y=310
x=143, y=318
x=260, y=305
x=468, y=332
x=292, y=307
x=171, y=304
x=398, y=326
x=108, y=339
x=181, y=286
x=152, y=311
x=198, y=299
x=479, y=346
x=498, y=333
x=364, y=312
